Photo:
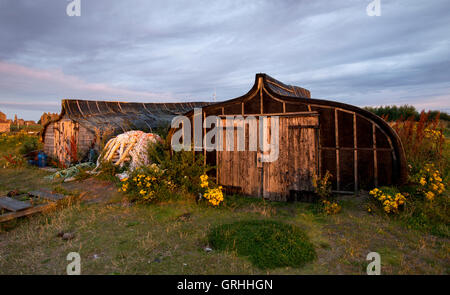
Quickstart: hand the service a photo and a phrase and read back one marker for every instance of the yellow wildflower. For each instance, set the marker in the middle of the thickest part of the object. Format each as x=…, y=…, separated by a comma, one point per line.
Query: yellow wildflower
x=429, y=195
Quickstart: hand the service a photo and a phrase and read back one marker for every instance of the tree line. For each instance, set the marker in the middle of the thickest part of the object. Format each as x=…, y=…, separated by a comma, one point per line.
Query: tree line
x=394, y=113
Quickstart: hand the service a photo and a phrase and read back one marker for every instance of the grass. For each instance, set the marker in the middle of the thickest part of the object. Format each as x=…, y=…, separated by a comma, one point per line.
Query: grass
x=113, y=237
x=116, y=237
x=23, y=179
x=266, y=243
x=428, y=218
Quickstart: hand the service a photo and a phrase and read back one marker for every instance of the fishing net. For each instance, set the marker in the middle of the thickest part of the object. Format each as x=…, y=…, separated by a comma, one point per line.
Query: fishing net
x=129, y=147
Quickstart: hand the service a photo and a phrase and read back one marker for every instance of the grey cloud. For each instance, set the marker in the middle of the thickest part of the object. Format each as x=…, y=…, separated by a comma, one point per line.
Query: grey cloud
x=186, y=50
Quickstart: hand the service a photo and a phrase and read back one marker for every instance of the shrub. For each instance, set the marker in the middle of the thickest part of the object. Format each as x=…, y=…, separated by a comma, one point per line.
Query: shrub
x=429, y=206
x=429, y=182
x=11, y=161
x=330, y=207
x=214, y=194
x=389, y=199
x=30, y=144
x=417, y=210
x=148, y=184
x=14, y=145
x=183, y=168
x=432, y=217
x=267, y=244
x=427, y=153
x=171, y=176
x=423, y=142
x=109, y=170
x=322, y=187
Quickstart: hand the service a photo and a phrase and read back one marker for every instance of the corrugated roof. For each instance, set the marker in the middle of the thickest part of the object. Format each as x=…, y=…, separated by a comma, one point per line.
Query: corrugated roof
x=286, y=90
x=119, y=117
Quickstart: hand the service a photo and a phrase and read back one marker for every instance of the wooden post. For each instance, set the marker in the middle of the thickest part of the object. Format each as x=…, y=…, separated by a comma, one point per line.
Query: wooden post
x=336, y=127
x=375, y=159
x=261, y=100
x=192, y=137
x=355, y=166
x=317, y=150
x=204, y=138
x=217, y=149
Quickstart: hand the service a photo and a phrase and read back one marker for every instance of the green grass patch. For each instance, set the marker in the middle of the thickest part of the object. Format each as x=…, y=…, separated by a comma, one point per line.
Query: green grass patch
x=267, y=244
x=390, y=256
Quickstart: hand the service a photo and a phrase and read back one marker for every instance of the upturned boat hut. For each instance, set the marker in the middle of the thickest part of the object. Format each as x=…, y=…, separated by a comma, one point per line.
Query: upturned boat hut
x=357, y=147
x=85, y=124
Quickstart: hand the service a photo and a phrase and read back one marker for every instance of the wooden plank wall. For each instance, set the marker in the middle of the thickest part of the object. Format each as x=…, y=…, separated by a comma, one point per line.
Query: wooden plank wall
x=298, y=159
x=358, y=146
x=355, y=148
x=237, y=170
x=294, y=170
x=63, y=132
x=58, y=136
x=85, y=140
x=49, y=140
x=356, y=152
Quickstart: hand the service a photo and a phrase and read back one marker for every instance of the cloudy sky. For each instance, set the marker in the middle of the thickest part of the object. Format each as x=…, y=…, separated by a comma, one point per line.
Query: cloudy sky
x=187, y=50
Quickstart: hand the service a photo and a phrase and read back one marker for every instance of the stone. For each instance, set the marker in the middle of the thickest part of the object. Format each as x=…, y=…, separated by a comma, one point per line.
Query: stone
x=68, y=236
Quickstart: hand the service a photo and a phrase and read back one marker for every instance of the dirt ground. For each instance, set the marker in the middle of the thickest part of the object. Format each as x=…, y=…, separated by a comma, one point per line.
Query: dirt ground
x=93, y=190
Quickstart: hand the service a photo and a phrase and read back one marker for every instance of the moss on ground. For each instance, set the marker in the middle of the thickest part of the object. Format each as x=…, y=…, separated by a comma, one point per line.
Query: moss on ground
x=266, y=243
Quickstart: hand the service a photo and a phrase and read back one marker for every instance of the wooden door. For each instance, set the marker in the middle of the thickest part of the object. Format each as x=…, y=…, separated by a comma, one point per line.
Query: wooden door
x=294, y=169
x=297, y=162
x=238, y=170
x=64, y=131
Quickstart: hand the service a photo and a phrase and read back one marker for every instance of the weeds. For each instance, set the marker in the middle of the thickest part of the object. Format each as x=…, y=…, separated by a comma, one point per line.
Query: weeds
x=149, y=184
x=108, y=171
x=429, y=217
x=387, y=198
x=183, y=168
x=322, y=186
x=424, y=204
x=30, y=144
x=423, y=142
x=14, y=145
x=171, y=176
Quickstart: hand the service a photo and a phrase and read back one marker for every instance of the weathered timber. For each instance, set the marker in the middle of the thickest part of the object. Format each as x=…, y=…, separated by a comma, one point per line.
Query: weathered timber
x=26, y=212
x=12, y=204
x=294, y=169
x=359, y=148
x=47, y=195
x=83, y=124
